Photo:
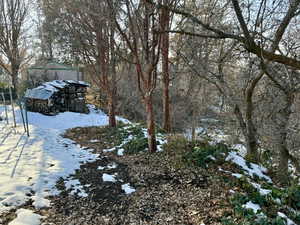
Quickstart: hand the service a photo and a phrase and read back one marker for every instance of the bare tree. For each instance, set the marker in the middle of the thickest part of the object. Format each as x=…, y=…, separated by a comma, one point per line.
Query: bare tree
x=12, y=26
x=143, y=39
x=165, y=22
x=91, y=35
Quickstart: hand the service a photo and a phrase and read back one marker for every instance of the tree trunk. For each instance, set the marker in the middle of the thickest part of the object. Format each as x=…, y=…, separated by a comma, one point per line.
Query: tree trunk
x=252, y=144
x=113, y=82
x=166, y=108
x=251, y=137
x=14, y=77
x=165, y=68
x=112, y=110
x=284, y=117
x=249, y=133
x=150, y=124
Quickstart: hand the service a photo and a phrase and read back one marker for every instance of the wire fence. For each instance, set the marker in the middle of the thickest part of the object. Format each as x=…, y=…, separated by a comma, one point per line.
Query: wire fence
x=8, y=97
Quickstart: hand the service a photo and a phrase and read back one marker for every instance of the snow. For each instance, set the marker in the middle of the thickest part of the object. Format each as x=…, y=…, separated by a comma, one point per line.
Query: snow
x=288, y=220
x=261, y=190
x=75, y=187
x=254, y=169
x=231, y=191
x=31, y=166
x=108, y=178
x=26, y=217
x=128, y=190
x=40, y=202
x=121, y=152
x=241, y=149
x=237, y=175
x=251, y=205
x=112, y=166
x=109, y=166
x=94, y=141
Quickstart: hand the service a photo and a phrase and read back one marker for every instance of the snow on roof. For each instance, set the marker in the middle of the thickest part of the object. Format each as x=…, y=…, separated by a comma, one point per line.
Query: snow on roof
x=38, y=93
x=77, y=82
x=57, y=83
x=46, y=90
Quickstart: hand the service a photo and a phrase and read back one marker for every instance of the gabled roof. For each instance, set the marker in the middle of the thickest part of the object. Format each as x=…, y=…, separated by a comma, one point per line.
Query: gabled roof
x=51, y=65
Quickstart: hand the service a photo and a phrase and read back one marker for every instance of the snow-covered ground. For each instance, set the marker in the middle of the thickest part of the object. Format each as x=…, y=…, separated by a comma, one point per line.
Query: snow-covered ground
x=30, y=166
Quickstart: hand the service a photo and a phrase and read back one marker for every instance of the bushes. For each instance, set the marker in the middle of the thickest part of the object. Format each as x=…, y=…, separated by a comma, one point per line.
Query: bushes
x=193, y=153
x=202, y=155
x=293, y=196
x=136, y=145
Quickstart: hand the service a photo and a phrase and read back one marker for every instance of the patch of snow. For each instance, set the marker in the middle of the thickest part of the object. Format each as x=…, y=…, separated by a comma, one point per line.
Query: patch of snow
x=26, y=217
x=76, y=188
x=288, y=220
x=128, y=189
x=237, y=175
x=121, y=152
x=112, y=166
x=211, y=158
x=251, y=205
x=108, y=178
x=94, y=141
x=254, y=169
x=31, y=166
x=130, y=137
x=40, y=202
x=241, y=149
x=261, y=190
x=231, y=191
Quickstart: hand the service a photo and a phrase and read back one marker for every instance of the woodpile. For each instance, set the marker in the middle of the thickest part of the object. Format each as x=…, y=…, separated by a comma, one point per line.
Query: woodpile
x=57, y=96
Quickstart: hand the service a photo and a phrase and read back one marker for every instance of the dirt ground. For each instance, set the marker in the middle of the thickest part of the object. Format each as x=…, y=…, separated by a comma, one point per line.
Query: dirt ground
x=164, y=194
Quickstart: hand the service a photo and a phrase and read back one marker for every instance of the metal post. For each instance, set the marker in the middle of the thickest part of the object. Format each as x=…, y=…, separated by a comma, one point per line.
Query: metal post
x=21, y=110
x=5, y=107
x=26, y=118
x=12, y=106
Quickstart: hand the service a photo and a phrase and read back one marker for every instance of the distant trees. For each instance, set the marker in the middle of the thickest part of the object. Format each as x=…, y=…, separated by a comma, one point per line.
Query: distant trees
x=89, y=29
x=13, y=14
x=263, y=29
x=239, y=47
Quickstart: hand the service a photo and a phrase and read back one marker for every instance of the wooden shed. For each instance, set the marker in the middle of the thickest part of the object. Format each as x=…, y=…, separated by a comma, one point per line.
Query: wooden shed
x=50, y=70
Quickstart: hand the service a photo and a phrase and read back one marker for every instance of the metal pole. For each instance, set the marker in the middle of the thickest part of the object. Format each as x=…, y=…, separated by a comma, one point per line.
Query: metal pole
x=12, y=106
x=5, y=107
x=26, y=118
x=21, y=109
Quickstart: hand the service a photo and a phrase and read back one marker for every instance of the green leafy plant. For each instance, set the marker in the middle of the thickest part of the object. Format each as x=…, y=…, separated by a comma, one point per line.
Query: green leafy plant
x=136, y=145
x=293, y=196
x=202, y=155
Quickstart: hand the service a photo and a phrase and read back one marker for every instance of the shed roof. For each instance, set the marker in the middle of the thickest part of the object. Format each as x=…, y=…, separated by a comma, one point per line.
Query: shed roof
x=38, y=93
x=51, y=65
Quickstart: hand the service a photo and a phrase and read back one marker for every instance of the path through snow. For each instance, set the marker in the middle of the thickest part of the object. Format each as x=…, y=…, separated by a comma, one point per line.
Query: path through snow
x=30, y=166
